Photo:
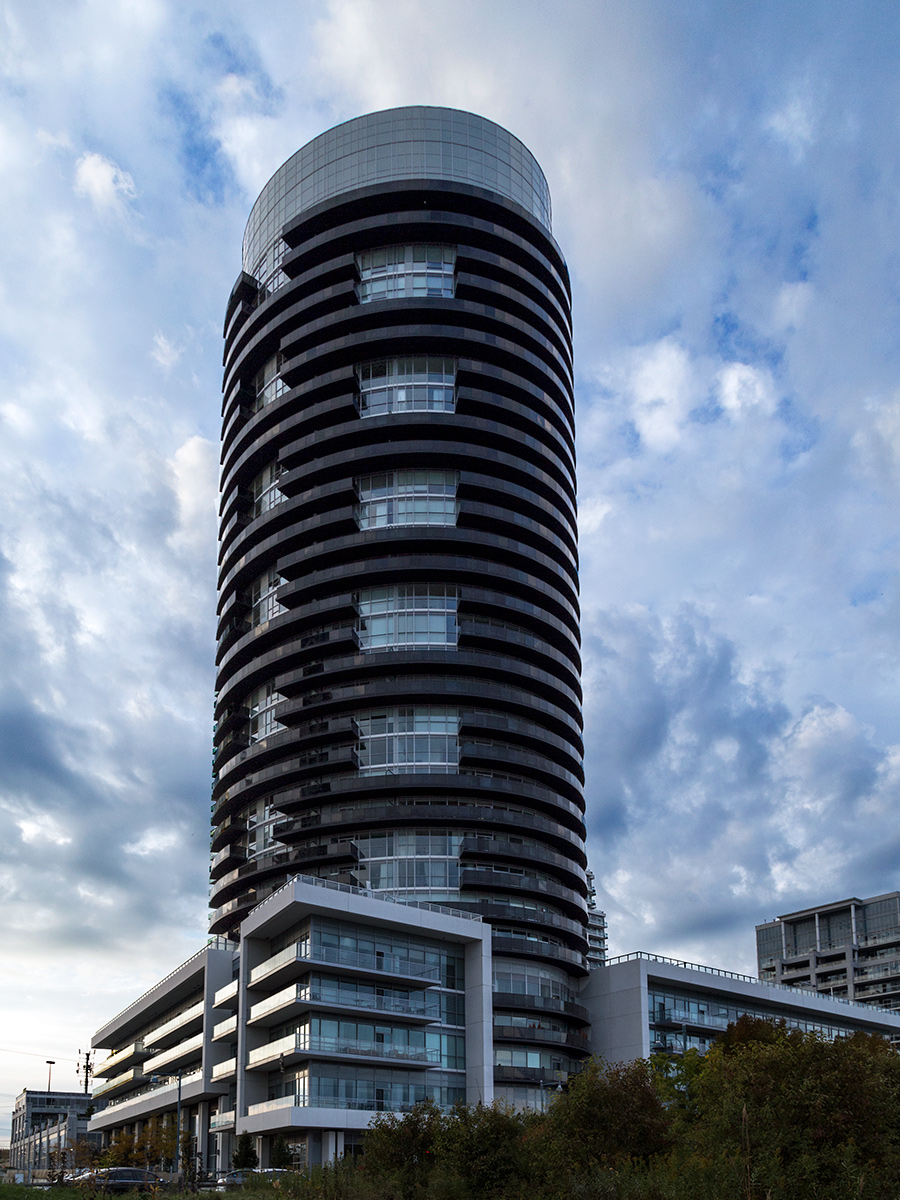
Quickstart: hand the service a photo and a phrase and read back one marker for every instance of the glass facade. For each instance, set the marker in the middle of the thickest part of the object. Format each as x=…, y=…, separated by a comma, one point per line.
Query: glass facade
x=410, y=383
x=407, y=498
x=401, y=143
x=411, y=739
x=264, y=489
x=394, y=272
x=408, y=616
x=267, y=383
x=260, y=707
x=262, y=595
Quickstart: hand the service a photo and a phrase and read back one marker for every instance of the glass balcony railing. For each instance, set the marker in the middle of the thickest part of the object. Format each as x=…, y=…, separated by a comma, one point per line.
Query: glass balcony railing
x=389, y=964
x=303, y=994
x=223, y=1069
x=319, y=1044
x=300, y=1101
x=154, y=1036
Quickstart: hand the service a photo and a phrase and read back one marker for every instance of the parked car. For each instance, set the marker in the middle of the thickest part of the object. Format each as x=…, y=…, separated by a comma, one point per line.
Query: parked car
x=115, y=1181
x=237, y=1179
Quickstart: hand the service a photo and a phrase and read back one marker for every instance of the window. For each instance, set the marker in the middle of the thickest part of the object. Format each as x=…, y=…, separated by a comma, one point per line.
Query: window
x=263, y=602
x=407, y=498
x=267, y=383
x=261, y=704
x=268, y=272
x=410, y=383
x=409, y=740
x=264, y=489
x=408, y=616
x=391, y=272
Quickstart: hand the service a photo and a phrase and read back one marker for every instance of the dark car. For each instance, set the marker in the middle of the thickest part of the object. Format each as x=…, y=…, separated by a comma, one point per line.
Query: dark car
x=117, y=1180
x=237, y=1179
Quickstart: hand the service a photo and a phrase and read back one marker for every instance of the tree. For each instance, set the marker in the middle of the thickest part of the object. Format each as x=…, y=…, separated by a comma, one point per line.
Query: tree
x=608, y=1114
x=399, y=1150
x=120, y=1152
x=482, y=1146
x=280, y=1155
x=803, y=1116
x=245, y=1157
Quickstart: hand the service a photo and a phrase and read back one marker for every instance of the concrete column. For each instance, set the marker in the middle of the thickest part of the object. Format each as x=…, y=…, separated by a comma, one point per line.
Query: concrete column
x=479, y=1022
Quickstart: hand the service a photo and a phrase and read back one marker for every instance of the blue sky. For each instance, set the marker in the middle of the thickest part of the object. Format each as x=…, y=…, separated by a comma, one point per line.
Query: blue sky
x=727, y=192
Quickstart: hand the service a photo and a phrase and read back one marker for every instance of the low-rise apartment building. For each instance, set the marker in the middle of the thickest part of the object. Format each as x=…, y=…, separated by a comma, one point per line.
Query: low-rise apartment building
x=642, y=1004
x=46, y=1126
x=336, y=1004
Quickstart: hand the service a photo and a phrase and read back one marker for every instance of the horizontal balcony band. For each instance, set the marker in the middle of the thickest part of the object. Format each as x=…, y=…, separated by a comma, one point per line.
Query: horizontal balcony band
x=323, y=350
x=545, y=1076
x=227, y=831
x=175, y=1056
x=225, y=1031
x=572, y=931
x=547, y=952
x=489, y=441
x=227, y=996
x=293, y=861
x=463, y=692
x=517, y=1001
x=565, y=898
x=454, y=322
x=128, y=1056
x=439, y=813
x=295, y=961
x=486, y=236
x=405, y=210
x=384, y=443
x=349, y=788
x=227, y=860
x=297, y=999
x=123, y=1082
x=498, y=849
x=536, y=1034
x=342, y=791
x=489, y=397
x=175, y=1028
x=224, y=1070
x=291, y=1050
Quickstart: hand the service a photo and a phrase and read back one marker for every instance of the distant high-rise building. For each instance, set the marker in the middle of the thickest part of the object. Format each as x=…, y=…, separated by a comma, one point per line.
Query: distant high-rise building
x=398, y=693
x=848, y=949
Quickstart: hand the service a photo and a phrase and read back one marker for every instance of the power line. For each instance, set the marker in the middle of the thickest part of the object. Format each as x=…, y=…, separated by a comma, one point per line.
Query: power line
x=32, y=1054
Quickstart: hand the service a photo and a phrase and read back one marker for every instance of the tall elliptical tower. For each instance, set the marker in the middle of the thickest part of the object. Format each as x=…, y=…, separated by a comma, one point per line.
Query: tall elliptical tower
x=398, y=692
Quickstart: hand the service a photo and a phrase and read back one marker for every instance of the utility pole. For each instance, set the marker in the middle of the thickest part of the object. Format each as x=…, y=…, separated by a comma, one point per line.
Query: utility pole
x=51, y=1063
x=87, y=1067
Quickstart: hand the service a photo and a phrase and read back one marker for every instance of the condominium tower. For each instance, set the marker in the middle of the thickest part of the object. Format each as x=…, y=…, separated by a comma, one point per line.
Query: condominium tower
x=398, y=691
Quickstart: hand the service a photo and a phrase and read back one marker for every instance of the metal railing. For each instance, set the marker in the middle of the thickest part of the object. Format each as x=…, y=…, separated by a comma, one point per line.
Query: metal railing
x=765, y=983
x=320, y=1044
x=360, y=891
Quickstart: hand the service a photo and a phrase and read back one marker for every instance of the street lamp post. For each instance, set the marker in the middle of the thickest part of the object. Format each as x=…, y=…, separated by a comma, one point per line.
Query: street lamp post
x=178, y=1124
x=155, y=1079
x=51, y=1063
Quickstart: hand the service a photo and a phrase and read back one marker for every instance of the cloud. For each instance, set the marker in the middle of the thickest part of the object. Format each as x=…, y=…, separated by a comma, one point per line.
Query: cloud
x=194, y=468
x=109, y=188
x=164, y=352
